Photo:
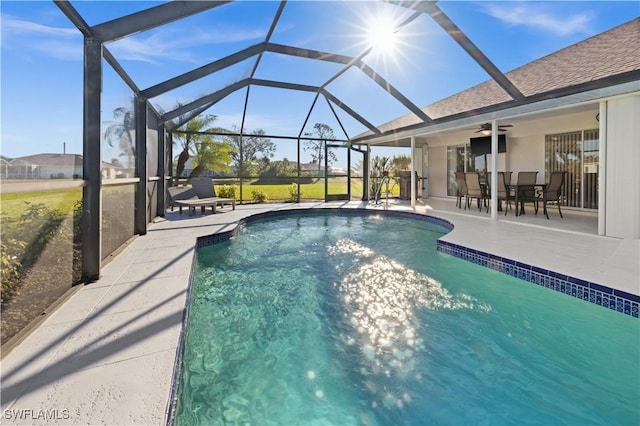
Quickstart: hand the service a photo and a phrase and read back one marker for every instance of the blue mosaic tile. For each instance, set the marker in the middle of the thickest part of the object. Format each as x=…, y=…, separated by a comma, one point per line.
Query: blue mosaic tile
x=625, y=295
x=622, y=302
x=601, y=288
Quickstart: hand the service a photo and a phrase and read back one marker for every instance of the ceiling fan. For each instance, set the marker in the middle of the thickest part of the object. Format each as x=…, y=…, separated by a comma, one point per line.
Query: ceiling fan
x=485, y=128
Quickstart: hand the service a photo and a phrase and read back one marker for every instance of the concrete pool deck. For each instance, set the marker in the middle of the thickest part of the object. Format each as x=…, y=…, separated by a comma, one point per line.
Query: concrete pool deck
x=106, y=355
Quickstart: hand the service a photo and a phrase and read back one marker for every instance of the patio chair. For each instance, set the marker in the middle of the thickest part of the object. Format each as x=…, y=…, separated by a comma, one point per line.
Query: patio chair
x=205, y=196
x=177, y=194
x=503, y=193
x=507, y=178
x=526, y=187
x=462, y=188
x=474, y=190
x=552, y=192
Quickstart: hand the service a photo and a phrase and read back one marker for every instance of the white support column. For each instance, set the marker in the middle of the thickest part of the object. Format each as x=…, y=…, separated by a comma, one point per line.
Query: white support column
x=602, y=170
x=413, y=172
x=493, y=185
x=622, y=176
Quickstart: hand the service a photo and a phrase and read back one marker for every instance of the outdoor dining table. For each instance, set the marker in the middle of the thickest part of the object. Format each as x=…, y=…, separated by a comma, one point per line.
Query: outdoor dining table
x=517, y=189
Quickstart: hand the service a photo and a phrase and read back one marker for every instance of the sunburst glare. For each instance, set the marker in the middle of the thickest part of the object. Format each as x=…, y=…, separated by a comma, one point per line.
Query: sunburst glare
x=382, y=35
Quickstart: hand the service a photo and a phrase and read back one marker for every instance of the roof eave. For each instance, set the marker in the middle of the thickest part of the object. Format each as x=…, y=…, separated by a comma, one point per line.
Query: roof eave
x=560, y=98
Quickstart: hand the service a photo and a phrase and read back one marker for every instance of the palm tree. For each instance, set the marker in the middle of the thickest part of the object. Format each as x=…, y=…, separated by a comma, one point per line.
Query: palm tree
x=120, y=132
x=189, y=140
x=212, y=154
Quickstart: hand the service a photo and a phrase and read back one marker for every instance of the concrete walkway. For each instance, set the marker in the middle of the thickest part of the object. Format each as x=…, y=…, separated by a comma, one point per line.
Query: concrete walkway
x=106, y=356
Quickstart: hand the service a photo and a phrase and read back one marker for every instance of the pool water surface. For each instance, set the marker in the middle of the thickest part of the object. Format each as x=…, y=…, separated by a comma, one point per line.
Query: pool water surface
x=345, y=319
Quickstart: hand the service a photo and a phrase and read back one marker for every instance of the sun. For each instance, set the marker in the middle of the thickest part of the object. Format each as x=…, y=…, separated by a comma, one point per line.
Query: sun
x=381, y=34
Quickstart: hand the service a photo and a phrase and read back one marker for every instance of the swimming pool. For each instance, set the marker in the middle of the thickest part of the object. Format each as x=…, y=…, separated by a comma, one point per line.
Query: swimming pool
x=348, y=319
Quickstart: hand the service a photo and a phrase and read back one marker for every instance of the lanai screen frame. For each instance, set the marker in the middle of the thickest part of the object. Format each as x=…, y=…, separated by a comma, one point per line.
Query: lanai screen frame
x=95, y=51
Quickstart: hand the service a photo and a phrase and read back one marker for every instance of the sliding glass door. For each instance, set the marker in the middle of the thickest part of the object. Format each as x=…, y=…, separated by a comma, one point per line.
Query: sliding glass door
x=576, y=153
x=459, y=159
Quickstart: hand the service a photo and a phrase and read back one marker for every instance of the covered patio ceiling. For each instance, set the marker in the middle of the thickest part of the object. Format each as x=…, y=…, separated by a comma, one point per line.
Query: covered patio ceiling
x=352, y=80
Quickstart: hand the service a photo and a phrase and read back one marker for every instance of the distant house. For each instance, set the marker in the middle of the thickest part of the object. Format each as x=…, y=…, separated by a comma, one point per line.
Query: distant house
x=311, y=169
x=18, y=168
x=5, y=162
x=52, y=166
x=47, y=166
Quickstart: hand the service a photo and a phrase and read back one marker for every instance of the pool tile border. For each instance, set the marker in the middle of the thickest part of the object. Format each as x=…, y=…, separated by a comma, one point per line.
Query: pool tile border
x=607, y=297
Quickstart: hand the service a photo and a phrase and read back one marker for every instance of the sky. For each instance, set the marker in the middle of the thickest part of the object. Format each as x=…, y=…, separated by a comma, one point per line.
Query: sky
x=42, y=60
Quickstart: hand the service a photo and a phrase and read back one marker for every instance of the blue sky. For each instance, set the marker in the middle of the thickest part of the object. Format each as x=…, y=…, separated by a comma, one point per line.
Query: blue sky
x=41, y=60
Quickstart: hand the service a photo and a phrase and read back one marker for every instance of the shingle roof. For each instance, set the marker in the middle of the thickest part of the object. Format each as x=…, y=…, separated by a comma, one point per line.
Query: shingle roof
x=613, y=52
x=54, y=159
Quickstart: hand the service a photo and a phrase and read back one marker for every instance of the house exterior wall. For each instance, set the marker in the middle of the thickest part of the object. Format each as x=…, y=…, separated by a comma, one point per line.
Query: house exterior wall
x=622, y=182
x=59, y=172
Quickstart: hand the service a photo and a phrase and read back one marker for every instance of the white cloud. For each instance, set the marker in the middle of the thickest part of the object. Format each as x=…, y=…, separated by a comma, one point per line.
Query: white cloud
x=20, y=27
x=183, y=45
x=55, y=42
x=536, y=16
x=151, y=47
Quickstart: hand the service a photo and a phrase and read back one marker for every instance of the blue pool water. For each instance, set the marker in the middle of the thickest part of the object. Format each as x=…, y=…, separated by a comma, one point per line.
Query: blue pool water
x=340, y=320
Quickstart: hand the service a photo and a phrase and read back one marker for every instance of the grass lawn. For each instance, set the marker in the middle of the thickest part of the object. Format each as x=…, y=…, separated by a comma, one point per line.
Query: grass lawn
x=311, y=191
x=15, y=204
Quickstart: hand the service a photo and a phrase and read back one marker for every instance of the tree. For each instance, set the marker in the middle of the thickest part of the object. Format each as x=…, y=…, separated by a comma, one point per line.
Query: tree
x=401, y=162
x=212, y=154
x=278, y=172
x=120, y=132
x=380, y=166
x=321, y=132
x=116, y=163
x=188, y=141
x=255, y=149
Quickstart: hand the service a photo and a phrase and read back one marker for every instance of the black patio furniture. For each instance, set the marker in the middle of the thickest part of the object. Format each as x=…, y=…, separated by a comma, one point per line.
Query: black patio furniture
x=525, y=190
x=552, y=192
x=461, y=190
x=504, y=194
x=474, y=190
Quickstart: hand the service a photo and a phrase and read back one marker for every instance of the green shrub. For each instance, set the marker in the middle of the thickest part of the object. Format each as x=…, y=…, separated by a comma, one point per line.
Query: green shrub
x=23, y=241
x=258, y=196
x=10, y=263
x=226, y=191
x=293, y=193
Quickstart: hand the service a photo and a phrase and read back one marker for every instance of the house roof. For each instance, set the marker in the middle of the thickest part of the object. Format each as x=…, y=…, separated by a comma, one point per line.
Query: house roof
x=57, y=160
x=54, y=159
x=594, y=61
